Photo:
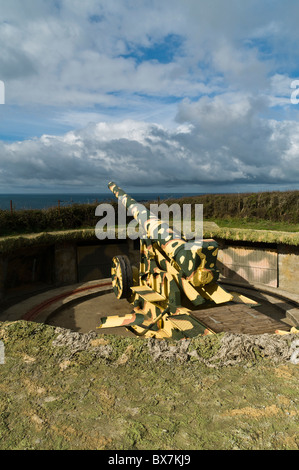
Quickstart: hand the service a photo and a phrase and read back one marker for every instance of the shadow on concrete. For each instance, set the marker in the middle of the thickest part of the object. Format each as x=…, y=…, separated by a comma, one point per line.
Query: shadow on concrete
x=84, y=315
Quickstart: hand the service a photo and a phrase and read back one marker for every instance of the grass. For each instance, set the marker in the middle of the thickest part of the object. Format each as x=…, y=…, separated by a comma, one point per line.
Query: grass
x=9, y=244
x=256, y=224
x=54, y=399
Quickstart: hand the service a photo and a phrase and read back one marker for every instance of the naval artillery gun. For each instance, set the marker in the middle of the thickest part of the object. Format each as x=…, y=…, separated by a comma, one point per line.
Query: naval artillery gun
x=175, y=279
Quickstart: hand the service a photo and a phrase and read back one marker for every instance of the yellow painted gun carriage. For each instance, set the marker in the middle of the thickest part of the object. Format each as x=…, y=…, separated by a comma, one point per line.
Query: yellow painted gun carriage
x=175, y=279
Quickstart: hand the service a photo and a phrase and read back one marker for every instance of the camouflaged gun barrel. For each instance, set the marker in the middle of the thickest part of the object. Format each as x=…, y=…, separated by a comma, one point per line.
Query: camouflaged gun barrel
x=154, y=228
x=196, y=261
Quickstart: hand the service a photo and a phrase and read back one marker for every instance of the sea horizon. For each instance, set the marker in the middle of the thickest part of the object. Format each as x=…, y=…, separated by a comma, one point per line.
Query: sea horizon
x=25, y=201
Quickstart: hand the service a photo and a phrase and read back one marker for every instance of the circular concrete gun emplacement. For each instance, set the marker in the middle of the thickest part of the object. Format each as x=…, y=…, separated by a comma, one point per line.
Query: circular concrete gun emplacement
x=77, y=307
x=80, y=307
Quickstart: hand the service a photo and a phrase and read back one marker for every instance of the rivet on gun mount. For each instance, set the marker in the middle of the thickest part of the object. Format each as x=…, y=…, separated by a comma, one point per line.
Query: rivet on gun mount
x=173, y=279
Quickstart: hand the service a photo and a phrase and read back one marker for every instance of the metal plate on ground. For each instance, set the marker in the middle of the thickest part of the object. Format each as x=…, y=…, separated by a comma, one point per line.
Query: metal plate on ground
x=238, y=318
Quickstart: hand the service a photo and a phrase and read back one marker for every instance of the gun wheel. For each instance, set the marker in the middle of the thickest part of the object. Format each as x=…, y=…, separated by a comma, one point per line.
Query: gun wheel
x=122, y=277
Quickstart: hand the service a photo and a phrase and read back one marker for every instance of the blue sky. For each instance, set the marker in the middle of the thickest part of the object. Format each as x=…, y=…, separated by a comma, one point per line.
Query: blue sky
x=179, y=95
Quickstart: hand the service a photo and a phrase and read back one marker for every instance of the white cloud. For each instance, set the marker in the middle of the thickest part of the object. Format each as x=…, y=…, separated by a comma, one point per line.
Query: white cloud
x=78, y=53
x=192, y=118
x=221, y=141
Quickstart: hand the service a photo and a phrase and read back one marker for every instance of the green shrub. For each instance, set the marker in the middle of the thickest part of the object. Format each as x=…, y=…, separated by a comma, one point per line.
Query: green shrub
x=273, y=206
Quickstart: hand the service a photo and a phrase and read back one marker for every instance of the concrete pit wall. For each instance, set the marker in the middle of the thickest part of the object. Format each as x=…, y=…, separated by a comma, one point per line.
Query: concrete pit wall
x=26, y=271
x=288, y=268
x=267, y=264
